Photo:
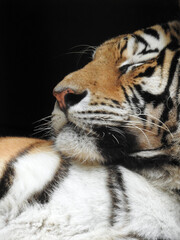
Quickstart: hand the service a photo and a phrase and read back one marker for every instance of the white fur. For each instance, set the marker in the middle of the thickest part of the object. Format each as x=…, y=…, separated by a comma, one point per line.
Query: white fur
x=32, y=172
x=80, y=207
x=153, y=213
x=80, y=147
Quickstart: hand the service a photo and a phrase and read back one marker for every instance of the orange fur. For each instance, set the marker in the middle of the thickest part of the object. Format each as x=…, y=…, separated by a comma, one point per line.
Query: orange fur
x=11, y=147
x=104, y=79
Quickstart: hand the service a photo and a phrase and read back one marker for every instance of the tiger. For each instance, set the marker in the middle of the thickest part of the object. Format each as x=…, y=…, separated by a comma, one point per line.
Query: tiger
x=111, y=169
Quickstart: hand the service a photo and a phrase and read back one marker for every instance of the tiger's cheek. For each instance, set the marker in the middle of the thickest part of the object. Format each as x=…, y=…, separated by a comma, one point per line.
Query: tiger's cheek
x=148, y=141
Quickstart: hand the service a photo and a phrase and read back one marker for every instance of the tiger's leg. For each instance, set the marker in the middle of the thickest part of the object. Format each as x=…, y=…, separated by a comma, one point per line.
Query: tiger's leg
x=26, y=166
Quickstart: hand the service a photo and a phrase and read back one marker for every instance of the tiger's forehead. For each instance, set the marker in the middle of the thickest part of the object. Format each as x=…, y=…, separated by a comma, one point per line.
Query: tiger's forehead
x=109, y=46
x=126, y=45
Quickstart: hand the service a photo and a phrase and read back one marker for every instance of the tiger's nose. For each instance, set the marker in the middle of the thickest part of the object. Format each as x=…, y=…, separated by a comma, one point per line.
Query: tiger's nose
x=68, y=98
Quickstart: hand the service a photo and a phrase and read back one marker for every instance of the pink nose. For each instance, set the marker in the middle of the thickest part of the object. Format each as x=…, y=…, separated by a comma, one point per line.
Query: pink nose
x=60, y=97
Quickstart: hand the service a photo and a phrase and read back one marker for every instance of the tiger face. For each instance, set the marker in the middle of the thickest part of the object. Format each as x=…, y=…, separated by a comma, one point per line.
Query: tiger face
x=125, y=102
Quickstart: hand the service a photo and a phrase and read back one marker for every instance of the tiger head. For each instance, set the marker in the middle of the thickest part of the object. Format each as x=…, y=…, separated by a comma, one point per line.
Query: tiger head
x=125, y=102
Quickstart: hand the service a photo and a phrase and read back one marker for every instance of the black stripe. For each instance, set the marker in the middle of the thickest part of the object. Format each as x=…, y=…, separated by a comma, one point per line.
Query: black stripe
x=157, y=99
x=149, y=97
x=135, y=99
x=177, y=91
x=174, y=163
x=143, y=117
x=174, y=44
x=172, y=69
x=112, y=186
x=160, y=59
x=43, y=196
x=106, y=104
x=147, y=73
x=9, y=174
x=141, y=39
x=177, y=191
x=102, y=103
x=124, y=68
x=165, y=116
x=138, y=163
x=144, y=51
x=152, y=32
x=169, y=106
x=99, y=112
x=165, y=27
x=153, y=162
x=112, y=100
x=126, y=95
x=115, y=102
x=176, y=30
x=178, y=112
x=91, y=119
x=7, y=180
x=123, y=48
x=115, y=184
x=128, y=99
x=94, y=104
x=136, y=102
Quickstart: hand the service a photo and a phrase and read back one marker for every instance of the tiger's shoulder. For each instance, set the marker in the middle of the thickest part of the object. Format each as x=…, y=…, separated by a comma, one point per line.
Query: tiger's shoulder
x=31, y=159
x=12, y=147
x=29, y=154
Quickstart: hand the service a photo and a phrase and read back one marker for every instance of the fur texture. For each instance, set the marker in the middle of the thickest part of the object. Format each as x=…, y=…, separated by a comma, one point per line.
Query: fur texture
x=112, y=169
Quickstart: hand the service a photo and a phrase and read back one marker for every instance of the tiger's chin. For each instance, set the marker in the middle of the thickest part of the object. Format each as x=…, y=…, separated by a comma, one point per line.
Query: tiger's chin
x=75, y=144
x=97, y=146
x=106, y=148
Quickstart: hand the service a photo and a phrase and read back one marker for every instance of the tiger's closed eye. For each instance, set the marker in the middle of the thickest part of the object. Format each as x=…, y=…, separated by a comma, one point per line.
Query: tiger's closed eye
x=127, y=67
x=124, y=68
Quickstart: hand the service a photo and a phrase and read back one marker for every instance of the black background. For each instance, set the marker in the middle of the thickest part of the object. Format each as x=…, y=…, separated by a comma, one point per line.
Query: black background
x=37, y=41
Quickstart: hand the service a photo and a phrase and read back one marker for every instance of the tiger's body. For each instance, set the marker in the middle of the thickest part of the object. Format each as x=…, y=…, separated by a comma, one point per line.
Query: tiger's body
x=112, y=169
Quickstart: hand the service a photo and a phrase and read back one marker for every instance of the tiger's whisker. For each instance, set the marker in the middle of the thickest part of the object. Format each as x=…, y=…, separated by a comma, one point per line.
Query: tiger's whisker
x=166, y=128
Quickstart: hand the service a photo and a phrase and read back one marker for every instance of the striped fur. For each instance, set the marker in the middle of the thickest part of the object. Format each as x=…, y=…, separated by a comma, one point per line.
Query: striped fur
x=112, y=169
